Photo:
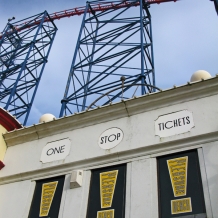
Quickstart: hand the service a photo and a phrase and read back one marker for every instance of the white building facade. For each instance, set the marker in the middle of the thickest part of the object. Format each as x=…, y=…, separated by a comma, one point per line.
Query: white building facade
x=137, y=135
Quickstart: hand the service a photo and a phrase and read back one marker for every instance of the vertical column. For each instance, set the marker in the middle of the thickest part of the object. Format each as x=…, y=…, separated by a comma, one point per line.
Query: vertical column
x=142, y=198
x=75, y=201
x=210, y=151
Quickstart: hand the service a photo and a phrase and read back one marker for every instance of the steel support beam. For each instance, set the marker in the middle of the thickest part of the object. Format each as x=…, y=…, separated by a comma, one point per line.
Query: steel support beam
x=23, y=55
x=112, y=43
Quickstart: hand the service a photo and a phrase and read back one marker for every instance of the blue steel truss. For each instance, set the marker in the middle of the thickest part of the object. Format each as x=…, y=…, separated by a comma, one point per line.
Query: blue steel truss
x=24, y=50
x=111, y=44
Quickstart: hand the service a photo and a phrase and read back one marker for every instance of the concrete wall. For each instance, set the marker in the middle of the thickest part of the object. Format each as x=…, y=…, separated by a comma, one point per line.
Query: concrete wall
x=16, y=199
x=138, y=133
x=141, y=189
x=210, y=152
x=139, y=149
x=75, y=201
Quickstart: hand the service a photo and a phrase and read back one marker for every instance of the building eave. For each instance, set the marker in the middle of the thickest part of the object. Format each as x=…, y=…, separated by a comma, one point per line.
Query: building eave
x=148, y=102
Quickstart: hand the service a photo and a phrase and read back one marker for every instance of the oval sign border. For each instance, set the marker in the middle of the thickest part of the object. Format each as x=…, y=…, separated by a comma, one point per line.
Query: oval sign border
x=112, y=145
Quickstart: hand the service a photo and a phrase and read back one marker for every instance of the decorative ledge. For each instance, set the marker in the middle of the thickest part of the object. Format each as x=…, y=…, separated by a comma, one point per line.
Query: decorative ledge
x=153, y=150
x=176, y=95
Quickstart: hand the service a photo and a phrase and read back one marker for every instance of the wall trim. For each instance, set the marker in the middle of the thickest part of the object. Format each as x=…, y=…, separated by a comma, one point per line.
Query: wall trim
x=116, y=158
x=176, y=95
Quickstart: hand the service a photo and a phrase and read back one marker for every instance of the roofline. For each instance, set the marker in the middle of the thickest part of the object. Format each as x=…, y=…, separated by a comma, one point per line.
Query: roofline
x=125, y=108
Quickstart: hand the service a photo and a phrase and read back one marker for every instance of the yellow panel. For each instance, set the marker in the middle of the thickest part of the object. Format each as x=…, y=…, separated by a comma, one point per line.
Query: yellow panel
x=3, y=146
x=105, y=214
x=48, y=191
x=107, y=187
x=181, y=206
x=178, y=168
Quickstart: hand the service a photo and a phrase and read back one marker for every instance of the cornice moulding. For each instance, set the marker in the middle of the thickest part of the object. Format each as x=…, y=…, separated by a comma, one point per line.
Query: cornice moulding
x=119, y=157
x=189, y=92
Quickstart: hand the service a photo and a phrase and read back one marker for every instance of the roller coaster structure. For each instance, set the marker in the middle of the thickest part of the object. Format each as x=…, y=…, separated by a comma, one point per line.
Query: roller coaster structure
x=113, y=42
x=24, y=50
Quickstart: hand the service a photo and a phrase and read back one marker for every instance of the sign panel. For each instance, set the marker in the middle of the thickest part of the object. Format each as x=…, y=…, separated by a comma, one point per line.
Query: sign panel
x=57, y=150
x=105, y=214
x=47, y=198
x=107, y=186
x=174, y=123
x=48, y=192
x=181, y=206
x=110, y=138
x=178, y=174
x=107, y=193
x=180, y=186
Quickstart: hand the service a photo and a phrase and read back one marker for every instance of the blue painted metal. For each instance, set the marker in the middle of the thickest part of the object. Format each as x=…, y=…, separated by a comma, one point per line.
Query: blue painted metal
x=24, y=50
x=64, y=101
x=111, y=44
x=142, y=47
x=215, y=5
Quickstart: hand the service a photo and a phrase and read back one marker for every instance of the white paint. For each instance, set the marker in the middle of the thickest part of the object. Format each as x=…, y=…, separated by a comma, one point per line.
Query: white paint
x=76, y=201
x=29, y=199
x=139, y=135
x=210, y=151
x=22, y=159
x=207, y=199
x=110, y=138
x=15, y=198
x=174, y=123
x=143, y=197
x=76, y=179
x=54, y=151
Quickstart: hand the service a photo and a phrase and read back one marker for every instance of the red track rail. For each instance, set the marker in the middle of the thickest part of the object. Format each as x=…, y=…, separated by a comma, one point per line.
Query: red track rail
x=100, y=7
x=81, y=10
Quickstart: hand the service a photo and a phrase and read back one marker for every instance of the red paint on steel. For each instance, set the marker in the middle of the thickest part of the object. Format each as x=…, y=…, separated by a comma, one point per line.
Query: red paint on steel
x=100, y=7
x=8, y=121
x=81, y=10
x=1, y=165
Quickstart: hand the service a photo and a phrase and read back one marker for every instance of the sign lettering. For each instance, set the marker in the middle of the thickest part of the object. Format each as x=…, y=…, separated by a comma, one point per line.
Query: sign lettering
x=181, y=206
x=107, y=187
x=110, y=138
x=178, y=168
x=105, y=214
x=48, y=191
x=54, y=151
x=174, y=123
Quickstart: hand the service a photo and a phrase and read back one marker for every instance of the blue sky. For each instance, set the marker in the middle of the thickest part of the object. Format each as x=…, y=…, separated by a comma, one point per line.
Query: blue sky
x=185, y=35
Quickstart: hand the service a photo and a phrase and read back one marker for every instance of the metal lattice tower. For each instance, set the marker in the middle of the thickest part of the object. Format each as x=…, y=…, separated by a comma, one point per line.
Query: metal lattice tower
x=24, y=50
x=112, y=43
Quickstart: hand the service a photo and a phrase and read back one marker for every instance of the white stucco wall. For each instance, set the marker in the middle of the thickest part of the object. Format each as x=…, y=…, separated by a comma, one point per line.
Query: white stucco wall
x=138, y=133
x=75, y=201
x=141, y=189
x=210, y=152
x=139, y=149
x=15, y=199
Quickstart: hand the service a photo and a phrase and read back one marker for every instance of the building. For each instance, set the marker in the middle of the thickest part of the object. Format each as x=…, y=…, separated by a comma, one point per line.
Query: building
x=146, y=157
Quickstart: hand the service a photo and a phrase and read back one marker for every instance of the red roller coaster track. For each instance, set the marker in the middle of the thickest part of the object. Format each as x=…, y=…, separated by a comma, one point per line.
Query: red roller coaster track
x=100, y=7
x=81, y=10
